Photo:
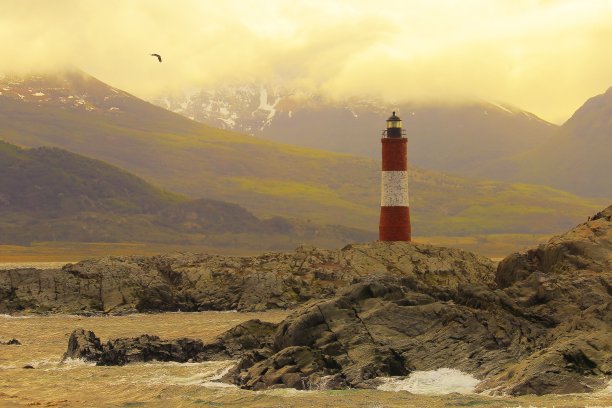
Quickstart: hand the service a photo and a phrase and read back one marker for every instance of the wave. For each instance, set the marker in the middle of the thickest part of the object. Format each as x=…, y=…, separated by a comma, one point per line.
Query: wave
x=209, y=374
x=434, y=382
x=8, y=316
x=71, y=363
x=605, y=391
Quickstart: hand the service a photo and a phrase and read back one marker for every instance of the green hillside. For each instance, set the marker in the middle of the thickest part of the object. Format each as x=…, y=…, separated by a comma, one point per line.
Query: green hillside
x=54, y=182
x=49, y=194
x=267, y=178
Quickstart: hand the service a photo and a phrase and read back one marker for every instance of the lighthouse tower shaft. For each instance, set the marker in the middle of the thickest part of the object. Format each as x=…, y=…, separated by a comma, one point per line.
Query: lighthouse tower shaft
x=394, y=204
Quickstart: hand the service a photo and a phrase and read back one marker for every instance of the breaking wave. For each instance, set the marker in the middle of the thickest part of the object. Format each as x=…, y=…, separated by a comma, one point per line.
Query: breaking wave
x=440, y=381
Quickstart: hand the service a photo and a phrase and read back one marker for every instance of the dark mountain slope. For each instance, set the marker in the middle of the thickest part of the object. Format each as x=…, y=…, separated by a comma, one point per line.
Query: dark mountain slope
x=79, y=113
x=577, y=159
x=53, y=181
x=49, y=194
x=458, y=137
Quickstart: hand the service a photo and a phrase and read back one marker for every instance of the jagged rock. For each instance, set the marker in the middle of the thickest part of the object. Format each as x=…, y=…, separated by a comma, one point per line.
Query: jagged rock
x=83, y=344
x=248, y=336
x=572, y=365
x=192, y=282
x=384, y=329
x=11, y=342
x=296, y=367
x=544, y=328
x=586, y=247
x=568, y=281
x=540, y=325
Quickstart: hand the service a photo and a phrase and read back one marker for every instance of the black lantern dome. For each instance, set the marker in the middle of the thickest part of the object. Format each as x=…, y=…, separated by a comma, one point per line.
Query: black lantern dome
x=394, y=126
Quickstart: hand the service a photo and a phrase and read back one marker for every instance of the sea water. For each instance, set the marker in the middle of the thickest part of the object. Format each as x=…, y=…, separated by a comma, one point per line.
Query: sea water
x=77, y=383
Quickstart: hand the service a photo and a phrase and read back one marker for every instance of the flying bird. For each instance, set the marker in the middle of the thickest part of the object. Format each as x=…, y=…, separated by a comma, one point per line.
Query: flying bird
x=157, y=55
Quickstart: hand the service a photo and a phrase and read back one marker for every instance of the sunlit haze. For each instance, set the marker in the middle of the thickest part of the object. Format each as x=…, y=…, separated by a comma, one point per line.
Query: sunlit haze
x=547, y=57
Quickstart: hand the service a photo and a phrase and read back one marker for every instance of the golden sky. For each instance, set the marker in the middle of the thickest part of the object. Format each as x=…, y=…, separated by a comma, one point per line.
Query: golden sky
x=547, y=57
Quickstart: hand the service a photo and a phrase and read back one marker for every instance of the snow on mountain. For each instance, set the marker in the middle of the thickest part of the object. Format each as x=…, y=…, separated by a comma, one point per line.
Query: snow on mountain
x=248, y=108
x=65, y=88
x=458, y=137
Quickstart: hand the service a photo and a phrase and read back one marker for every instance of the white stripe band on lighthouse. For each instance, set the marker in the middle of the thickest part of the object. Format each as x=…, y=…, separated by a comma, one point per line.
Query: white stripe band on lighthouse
x=394, y=186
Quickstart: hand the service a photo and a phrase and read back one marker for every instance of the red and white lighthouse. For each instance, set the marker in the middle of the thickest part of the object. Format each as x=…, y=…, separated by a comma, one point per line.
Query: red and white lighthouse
x=394, y=208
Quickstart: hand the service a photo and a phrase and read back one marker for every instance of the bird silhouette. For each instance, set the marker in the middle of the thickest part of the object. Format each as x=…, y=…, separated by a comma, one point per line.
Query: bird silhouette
x=158, y=56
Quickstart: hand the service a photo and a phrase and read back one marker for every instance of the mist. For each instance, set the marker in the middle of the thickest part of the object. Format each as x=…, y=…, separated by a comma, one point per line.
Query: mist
x=547, y=57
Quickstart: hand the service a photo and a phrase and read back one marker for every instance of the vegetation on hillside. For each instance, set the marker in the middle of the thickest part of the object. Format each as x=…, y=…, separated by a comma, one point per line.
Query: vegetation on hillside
x=273, y=179
x=49, y=194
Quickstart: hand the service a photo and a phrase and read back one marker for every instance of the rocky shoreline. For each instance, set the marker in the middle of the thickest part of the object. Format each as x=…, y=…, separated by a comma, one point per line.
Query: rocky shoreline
x=198, y=282
x=540, y=323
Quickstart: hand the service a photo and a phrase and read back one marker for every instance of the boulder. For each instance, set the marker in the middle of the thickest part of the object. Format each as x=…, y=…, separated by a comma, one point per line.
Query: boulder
x=296, y=367
x=11, y=342
x=83, y=344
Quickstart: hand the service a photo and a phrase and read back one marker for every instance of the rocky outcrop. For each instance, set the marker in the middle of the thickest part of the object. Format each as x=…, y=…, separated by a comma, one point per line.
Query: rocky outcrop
x=543, y=326
x=193, y=282
x=381, y=329
x=11, y=342
x=586, y=247
x=247, y=336
x=568, y=281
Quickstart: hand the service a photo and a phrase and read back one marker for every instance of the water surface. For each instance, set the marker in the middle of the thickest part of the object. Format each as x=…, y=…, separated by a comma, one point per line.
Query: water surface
x=79, y=384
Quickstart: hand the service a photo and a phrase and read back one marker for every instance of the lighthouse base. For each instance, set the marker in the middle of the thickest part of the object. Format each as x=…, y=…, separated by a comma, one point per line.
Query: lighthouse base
x=394, y=224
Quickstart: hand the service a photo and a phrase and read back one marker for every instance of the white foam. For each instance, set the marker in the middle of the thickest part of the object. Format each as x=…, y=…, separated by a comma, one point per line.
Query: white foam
x=71, y=363
x=46, y=364
x=222, y=373
x=8, y=316
x=8, y=367
x=209, y=374
x=607, y=390
x=440, y=381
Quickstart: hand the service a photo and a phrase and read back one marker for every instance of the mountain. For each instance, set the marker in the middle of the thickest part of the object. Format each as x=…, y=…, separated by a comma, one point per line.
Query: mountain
x=49, y=194
x=576, y=159
x=77, y=112
x=458, y=138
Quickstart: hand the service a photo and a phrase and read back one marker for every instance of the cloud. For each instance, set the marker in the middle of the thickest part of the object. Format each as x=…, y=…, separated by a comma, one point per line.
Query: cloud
x=545, y=56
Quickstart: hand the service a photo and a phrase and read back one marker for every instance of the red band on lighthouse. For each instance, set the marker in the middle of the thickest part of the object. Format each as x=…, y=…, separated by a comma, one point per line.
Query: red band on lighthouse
x=394, y=154
x=394, y=224
x=394, y=201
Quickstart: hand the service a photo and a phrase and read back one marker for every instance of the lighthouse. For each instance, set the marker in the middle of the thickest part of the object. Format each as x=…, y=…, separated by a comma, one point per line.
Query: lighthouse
x=394, y=208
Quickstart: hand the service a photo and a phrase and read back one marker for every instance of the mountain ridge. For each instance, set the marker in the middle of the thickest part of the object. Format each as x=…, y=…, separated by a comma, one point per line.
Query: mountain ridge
x=575, y=159
x=472, y=138
x=456, y=137
x=50, y=194
x=267, y=177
